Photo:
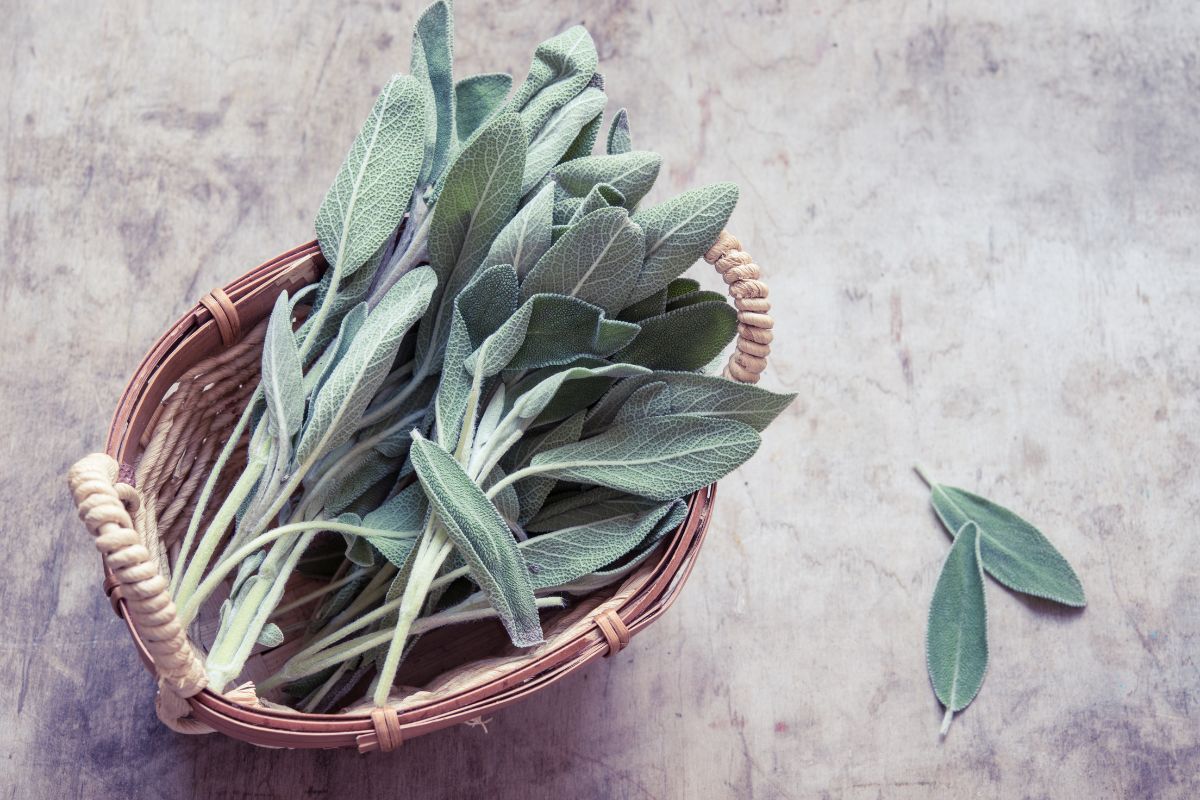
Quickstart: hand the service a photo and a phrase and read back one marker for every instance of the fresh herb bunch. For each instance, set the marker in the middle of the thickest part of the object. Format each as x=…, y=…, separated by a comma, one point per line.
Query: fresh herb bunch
x=498, y=397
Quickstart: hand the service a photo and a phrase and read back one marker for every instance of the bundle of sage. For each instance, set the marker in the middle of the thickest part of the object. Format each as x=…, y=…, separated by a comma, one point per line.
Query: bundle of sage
x=497, y=397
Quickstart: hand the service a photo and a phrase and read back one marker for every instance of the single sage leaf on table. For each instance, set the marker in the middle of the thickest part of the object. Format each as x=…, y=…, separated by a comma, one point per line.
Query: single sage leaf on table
x=483, y=539
x=1013, y=551
x=662, y=458
x=956, y=645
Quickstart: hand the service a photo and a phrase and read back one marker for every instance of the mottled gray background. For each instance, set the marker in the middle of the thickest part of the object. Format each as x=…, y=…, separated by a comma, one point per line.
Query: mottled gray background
x=980, y=221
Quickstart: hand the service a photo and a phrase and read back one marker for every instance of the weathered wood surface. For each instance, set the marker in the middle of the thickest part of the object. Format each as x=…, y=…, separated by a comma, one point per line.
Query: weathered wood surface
x=981, y=229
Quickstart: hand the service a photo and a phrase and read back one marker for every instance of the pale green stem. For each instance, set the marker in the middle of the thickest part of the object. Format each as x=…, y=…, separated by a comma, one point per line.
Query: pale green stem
x=432, y=551
x=316, y=594
x=231, y=562
x=297, y=669
x=509, y=480
x=920, y=470
x=371, y=593
x=329, y=683
x=210, y=485
x=216, y=530
x=946, y=722
x=385, y=410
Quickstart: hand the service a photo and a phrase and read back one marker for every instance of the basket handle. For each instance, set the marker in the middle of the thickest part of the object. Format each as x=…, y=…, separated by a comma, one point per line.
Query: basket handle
x=104, y=506
x=749, y=295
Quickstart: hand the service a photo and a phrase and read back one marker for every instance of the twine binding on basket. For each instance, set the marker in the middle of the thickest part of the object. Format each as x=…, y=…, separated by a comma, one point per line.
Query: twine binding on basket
x=132, y=527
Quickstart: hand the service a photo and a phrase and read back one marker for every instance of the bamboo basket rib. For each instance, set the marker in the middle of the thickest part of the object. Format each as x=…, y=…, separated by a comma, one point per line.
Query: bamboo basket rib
x=137, y=496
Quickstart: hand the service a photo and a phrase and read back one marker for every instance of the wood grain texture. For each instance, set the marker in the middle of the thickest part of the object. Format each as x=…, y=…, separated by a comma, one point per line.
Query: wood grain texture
x=980, y=227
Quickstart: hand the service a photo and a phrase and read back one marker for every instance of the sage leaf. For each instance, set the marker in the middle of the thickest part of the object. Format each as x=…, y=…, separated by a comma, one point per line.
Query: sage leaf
x=651, y=306
x=561, y=329
x=482, y=538
x=476, y=99
x=478, y=198
x=335, y=352
x=585, y=141
x=956, y=645
x=562, y=67
x=353, y=381
x=532, y=403
x=370, y=194
x=282, y=374
x=631, y=174
x=567, y=554
x=527, y=237
x=680, y=287
x=684, y=339
x=432, y=64
x=662, y=458
x=532, y=492
x=592, y=261
x=602, y=195
x=481, y=308
x=1013, y=552
x=651, y=400
x=680, y=231
x=270, y=636
x=619, y=139
x=403, y=513
x=697, y=395
x=559, y=133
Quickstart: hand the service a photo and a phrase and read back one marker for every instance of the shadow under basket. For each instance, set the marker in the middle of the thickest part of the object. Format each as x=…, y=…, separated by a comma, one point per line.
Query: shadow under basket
x=138, y=496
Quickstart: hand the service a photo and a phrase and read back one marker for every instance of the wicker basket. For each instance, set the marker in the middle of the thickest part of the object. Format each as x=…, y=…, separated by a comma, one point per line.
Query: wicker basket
x=181, y=404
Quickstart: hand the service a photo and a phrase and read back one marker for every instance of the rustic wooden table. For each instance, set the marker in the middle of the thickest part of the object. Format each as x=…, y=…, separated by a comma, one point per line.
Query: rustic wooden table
x=980, y=226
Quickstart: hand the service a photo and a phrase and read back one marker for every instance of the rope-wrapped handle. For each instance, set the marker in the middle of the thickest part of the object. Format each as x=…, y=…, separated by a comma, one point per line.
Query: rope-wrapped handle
x=750, y=298
x=101, y=501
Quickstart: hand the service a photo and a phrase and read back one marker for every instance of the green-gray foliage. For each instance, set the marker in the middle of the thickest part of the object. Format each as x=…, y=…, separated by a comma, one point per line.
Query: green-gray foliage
x=956, y=646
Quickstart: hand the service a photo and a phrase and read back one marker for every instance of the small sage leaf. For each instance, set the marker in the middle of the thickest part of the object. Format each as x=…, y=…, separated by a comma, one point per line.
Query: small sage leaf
x=432, y=65
x=527, y=237
x=585, y=142
x=559, y=133
x=631, y=174
x=956, y=644
x=482, y=538
x=270, y=636
x=619, y=139
x=1013, y=551
x=601, y=196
